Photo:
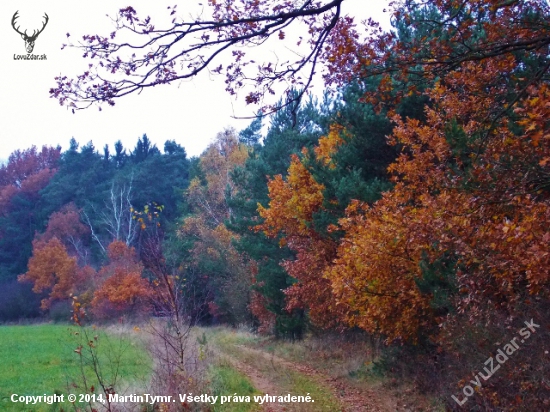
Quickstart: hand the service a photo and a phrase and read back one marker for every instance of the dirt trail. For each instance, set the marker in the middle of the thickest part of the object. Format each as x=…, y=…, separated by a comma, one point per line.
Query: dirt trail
x=254, y=362
x=351, y=399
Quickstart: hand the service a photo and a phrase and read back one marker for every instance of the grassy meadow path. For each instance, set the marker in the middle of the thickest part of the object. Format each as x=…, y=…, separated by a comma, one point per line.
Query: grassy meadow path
x=276, y=375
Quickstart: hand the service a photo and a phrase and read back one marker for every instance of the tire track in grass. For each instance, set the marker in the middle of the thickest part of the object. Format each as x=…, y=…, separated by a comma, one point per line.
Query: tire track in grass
x=351, y=399
x=276, y=379
x=259, y=382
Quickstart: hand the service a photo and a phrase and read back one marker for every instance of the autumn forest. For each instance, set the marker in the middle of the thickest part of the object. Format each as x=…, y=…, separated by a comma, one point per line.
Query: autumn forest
x=409, y=205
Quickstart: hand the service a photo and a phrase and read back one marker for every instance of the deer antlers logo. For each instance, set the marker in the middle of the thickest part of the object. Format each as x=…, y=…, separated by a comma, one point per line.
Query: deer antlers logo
x=29, y=40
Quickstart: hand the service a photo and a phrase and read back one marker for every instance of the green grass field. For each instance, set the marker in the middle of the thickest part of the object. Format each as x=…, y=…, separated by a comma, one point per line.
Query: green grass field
x=41, y=359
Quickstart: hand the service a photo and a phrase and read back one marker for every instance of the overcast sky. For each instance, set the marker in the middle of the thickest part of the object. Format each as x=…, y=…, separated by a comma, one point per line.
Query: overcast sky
x=191, y=112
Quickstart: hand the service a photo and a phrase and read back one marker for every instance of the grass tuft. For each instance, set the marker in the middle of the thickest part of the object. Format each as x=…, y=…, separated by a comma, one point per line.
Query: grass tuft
x=226, y=381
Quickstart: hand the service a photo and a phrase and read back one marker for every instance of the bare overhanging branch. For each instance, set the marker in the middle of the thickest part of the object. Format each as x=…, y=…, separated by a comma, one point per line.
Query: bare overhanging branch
x=187, y=48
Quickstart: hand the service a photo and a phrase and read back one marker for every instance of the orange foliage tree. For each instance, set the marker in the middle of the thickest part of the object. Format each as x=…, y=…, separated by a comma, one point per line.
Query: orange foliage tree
x=121, y=289
x=66, y=226
x=292, y=206
x=470, y=192
x=51, y=270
